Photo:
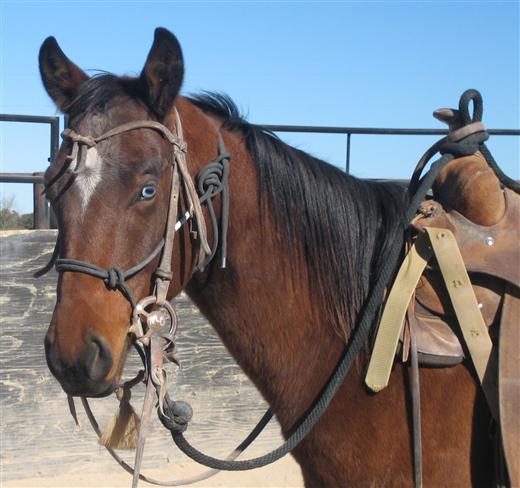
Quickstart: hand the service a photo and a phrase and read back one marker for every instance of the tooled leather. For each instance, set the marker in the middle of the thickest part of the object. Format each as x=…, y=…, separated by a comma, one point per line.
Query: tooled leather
x=492, y=257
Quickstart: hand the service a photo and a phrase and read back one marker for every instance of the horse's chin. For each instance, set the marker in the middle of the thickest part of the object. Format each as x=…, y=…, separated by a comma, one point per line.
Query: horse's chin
x=90, y=390
x=107, y=392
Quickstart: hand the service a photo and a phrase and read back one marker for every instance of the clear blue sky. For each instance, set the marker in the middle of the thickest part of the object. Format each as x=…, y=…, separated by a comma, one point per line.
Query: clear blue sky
x=374, y=64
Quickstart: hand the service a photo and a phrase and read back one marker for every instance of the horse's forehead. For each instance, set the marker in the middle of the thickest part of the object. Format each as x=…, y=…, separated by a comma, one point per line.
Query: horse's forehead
x=132, y=145
x=124, y=151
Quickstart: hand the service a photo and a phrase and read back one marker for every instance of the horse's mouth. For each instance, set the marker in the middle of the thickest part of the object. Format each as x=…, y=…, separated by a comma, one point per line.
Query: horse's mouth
x=88, y=389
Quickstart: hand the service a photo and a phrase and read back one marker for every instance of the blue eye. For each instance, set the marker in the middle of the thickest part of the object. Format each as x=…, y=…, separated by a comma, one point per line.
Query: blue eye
x=148, y=192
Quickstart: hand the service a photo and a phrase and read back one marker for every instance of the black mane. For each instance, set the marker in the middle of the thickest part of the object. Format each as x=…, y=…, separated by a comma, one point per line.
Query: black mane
x=344, y=226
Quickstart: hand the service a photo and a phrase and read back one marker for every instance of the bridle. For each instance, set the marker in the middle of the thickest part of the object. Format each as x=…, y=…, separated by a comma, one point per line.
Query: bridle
x=154, y=334
x=211, y=181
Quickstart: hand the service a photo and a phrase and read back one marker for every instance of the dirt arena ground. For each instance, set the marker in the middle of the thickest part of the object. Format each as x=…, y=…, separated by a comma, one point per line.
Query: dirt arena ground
x=283, y=473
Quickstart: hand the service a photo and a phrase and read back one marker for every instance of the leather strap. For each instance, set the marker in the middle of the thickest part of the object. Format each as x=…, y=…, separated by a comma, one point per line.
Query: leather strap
x=394, y=312
x=176, y=140
x=472, y=325
x=164, y=270
x=193, y=200
x=156, y=368
x=509, y=382
x=474, y=330
x=416, y=410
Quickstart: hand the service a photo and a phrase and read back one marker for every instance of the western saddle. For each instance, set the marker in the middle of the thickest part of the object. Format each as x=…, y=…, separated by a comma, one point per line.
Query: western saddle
x=423, y=313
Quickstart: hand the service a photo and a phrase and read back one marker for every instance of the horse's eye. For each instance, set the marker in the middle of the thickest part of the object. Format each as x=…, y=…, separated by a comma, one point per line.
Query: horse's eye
x=148, y=192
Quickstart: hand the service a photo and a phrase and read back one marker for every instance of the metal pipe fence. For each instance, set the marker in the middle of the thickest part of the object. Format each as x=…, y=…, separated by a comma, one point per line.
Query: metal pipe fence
x=43, y=217
x=380, y=131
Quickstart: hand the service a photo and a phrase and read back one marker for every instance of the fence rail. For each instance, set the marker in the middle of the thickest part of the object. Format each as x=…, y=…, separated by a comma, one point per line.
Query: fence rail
x=42, y=214
x=373, y=131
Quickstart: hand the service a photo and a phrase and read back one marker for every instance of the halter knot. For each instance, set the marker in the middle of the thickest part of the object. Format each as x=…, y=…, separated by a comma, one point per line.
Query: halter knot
x=115, y=278
x=181, y=146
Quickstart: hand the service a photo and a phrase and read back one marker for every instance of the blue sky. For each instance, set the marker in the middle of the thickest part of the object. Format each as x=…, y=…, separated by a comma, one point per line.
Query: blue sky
x=371, y=64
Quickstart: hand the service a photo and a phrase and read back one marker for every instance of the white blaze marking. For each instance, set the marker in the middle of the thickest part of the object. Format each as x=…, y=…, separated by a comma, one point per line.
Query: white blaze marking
x=89, y=177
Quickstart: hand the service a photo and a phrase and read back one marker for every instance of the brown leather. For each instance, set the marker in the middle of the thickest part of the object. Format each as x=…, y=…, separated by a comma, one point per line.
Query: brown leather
x=470, y=187
x=492, y=257
x=490, y=268
x=436, y=338
x=485, y=221
x=491, y=250
x=467, y=184
x=436, y=343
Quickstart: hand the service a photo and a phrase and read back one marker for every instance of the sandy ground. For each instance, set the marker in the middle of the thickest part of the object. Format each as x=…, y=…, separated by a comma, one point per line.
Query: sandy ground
x=283, y=473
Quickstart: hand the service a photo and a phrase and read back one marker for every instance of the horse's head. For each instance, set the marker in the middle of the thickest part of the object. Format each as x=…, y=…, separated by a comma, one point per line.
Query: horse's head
x=111, y=201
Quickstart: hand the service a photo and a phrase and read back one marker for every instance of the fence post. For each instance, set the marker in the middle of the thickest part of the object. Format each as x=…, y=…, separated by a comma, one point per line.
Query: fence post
x=347, y=162
x=40, y=205
x=55, y=145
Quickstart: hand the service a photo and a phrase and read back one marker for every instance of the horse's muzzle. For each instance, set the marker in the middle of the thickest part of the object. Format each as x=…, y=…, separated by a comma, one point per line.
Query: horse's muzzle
x=87, y=375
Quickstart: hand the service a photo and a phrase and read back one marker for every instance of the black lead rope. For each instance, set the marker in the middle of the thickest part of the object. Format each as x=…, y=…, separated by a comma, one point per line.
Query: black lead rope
x=178, y=414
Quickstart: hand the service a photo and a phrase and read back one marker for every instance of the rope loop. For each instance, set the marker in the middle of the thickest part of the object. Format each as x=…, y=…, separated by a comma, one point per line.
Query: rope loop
x=209, y=180
x=115, y=278
x=468, y=96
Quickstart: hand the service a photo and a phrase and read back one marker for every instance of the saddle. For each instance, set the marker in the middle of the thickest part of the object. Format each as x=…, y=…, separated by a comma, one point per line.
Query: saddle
x=458, y=291
x=485, y=220
x=456, y=295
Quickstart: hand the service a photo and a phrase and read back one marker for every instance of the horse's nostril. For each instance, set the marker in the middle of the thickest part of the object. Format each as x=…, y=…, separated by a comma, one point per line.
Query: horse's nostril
x=97, y=359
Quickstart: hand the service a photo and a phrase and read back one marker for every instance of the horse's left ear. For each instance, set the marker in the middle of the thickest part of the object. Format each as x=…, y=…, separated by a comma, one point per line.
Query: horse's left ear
x=163, y=72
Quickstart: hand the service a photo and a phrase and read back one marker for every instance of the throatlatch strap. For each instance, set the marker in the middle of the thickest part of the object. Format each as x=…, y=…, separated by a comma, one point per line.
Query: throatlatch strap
x=394, y=312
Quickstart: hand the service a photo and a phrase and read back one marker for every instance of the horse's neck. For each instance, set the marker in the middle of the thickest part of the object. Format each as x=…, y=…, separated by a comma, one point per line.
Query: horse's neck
x=266, y=320
x=260, y=309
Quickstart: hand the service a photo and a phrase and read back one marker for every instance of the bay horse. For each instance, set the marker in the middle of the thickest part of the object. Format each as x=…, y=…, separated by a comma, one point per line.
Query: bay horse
x=305, y=243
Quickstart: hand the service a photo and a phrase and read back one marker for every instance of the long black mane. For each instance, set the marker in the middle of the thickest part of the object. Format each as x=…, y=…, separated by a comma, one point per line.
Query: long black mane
x=343, y=225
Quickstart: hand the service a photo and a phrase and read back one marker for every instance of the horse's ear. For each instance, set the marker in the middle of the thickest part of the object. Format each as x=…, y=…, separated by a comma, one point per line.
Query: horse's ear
x=60, y=76
x=163, y=72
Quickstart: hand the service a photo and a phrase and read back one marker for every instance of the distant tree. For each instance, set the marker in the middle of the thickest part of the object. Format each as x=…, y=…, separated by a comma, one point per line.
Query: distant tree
x=27, y=221
x=10, y=218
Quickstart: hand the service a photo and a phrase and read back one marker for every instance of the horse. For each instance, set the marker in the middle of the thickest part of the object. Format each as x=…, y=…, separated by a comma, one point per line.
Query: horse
x=305, y=243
